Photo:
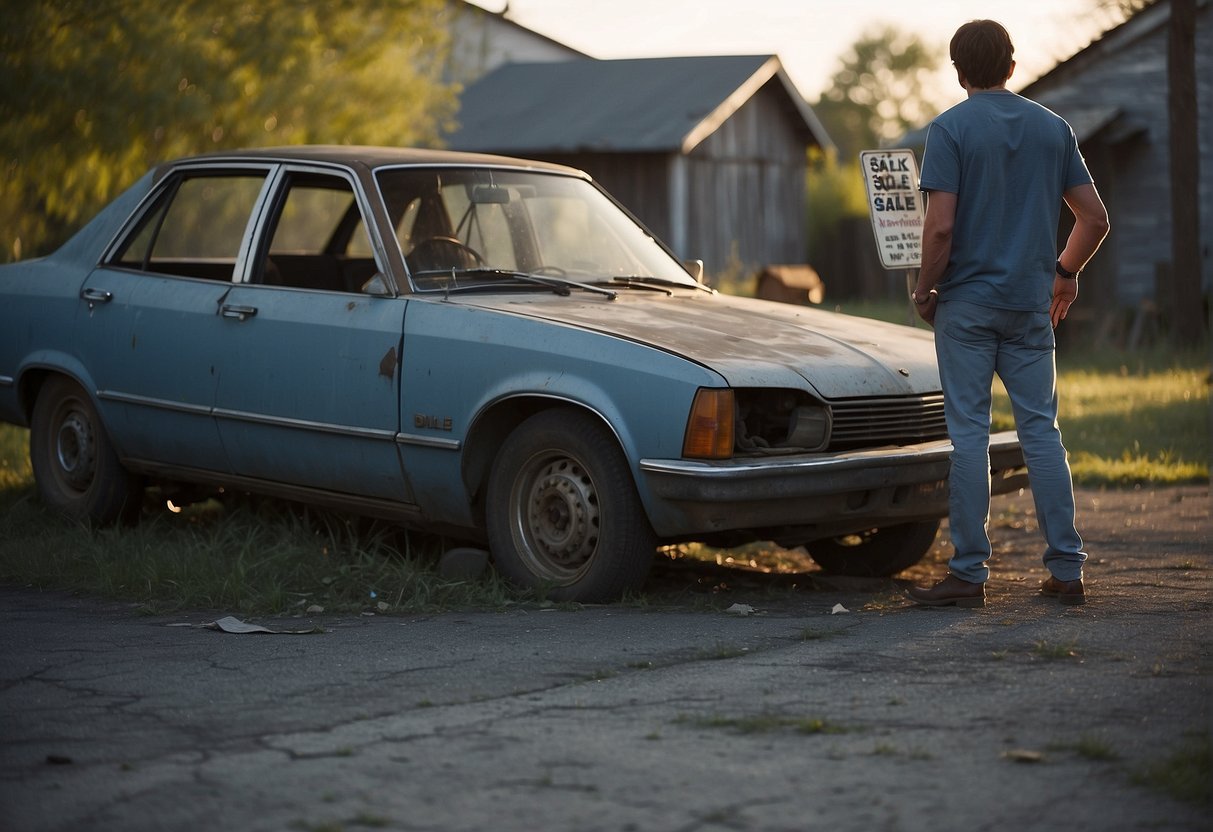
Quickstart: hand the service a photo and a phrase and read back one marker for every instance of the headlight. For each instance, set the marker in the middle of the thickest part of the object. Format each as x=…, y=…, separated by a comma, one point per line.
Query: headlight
x=808, y=428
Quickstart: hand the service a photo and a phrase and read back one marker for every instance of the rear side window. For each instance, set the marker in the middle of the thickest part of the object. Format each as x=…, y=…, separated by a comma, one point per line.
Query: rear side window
x=320, y=215
x=195, y=228
x=317, y=237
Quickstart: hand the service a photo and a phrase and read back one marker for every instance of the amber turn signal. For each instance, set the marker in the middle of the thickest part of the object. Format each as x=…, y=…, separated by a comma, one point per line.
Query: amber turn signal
x=710, y=428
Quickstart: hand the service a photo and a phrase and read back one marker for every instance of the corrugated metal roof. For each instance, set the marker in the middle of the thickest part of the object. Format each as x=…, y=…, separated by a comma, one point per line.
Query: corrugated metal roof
x=634, y=105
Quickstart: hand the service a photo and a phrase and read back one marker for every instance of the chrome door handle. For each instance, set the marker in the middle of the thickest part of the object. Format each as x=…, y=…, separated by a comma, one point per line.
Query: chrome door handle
x=96, y=296
x=240, y=313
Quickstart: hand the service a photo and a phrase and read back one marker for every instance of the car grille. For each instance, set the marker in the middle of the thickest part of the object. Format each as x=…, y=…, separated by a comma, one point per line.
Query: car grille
x=872, y=422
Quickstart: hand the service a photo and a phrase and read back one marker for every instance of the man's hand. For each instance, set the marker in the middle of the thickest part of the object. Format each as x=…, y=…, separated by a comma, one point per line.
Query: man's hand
x=1065, y=292
x=926, y=310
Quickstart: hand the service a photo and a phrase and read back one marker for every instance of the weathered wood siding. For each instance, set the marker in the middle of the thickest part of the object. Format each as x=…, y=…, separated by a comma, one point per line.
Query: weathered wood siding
x=1133, y=175
x=737, y=201
x=638, y=180
x=745, y=189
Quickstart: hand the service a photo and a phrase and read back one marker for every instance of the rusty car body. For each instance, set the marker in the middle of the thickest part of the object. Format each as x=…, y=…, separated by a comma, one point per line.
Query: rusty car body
x=481, y=346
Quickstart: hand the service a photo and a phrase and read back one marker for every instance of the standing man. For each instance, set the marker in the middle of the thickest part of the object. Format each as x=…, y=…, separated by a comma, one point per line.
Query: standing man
x=996, y=169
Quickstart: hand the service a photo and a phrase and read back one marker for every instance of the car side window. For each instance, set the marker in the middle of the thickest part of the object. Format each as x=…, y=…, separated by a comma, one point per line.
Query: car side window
x=318, y=237
x=195, y=228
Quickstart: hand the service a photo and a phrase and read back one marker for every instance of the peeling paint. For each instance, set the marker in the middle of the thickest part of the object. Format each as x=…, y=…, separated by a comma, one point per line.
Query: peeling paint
x=387, y=364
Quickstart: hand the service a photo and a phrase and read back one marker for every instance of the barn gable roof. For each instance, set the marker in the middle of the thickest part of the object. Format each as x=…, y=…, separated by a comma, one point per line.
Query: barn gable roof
x=633, y=105
x=1141, y=24
x=1104, y=119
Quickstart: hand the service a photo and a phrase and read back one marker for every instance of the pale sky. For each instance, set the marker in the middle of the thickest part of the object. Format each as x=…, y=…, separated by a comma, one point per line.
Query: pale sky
x=808, y=35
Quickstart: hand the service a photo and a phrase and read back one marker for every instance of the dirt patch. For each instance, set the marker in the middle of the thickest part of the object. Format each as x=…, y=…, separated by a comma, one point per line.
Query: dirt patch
x=1128, y=534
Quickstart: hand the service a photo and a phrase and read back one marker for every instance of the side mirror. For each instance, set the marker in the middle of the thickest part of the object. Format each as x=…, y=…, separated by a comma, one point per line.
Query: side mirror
x=694, y=269
x=377, y=286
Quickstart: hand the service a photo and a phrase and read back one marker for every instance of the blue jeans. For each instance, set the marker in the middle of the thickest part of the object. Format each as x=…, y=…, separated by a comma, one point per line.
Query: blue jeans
x=973, y=343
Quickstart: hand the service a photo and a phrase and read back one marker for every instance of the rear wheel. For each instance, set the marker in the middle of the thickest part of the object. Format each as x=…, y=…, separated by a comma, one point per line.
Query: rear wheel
x=876, y=553
x=563, y=514
x=75, y=466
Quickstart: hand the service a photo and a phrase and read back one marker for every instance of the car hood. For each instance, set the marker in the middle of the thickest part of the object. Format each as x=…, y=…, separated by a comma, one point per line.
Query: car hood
x=751, y=343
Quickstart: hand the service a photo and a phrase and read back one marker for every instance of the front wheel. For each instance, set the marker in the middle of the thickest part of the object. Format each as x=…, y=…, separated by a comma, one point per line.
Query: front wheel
x=75, y=466
x=563, y=515
x=876, y=553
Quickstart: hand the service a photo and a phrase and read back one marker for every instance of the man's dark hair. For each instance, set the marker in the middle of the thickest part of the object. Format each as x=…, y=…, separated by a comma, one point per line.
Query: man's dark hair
x=982, y=50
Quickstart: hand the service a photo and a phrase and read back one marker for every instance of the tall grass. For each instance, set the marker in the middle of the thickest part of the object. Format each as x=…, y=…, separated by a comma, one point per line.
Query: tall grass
x=1131, y=419
x=239, y=555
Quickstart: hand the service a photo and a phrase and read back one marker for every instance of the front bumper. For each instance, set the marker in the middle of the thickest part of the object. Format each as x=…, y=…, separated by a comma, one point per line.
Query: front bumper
x=820, y=495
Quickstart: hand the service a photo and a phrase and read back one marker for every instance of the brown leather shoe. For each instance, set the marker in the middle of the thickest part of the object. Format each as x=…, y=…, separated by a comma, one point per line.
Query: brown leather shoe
x=1067, y=592
x=951, y=591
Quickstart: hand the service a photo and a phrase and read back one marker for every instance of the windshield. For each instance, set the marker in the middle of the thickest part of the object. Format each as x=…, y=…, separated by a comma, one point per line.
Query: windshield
x=479, y=225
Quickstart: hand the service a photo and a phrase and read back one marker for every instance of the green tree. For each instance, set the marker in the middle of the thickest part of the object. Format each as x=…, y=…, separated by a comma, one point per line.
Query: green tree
x=97, y=91
x=884, y=87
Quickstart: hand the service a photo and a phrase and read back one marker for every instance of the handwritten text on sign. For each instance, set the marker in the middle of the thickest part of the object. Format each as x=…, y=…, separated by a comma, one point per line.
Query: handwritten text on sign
x=895, y=205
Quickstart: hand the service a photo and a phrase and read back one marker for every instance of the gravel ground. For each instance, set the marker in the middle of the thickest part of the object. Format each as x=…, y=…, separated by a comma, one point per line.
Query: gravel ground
x=669, y=715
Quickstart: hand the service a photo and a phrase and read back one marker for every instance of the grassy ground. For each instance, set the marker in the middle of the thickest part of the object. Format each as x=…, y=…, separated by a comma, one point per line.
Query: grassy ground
x=1127, y=421
x=1127, y=418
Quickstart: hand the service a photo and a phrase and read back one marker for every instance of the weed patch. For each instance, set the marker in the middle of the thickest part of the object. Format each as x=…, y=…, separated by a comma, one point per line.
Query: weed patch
x=1053, y=651
x=266, y=558
x=1185, y=775
x=763, y=723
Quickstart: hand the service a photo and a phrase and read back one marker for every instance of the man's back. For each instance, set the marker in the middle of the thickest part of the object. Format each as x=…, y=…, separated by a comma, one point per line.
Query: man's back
x=1008, y=160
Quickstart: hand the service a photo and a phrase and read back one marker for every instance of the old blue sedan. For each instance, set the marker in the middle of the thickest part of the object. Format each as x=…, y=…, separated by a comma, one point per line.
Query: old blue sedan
x=485, y=347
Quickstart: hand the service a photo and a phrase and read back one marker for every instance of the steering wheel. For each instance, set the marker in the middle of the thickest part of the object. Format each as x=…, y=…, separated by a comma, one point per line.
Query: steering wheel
x=443, y=253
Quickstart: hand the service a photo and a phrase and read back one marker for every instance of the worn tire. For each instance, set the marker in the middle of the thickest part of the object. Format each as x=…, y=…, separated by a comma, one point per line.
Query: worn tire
x=877, y=553
x=562, y=512
x=74, y=464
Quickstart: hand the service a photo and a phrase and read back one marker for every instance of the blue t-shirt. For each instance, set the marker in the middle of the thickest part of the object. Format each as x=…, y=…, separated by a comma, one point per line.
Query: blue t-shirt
x=1008, y=160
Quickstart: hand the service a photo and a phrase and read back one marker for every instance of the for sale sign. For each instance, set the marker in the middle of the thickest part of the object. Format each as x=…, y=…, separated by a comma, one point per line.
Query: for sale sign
x=895, y=205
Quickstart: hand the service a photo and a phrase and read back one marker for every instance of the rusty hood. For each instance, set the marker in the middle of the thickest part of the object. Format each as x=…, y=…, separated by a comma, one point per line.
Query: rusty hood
x=751, y=343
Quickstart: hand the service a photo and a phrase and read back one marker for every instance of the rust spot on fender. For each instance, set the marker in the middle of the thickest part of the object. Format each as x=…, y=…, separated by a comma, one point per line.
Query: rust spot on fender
x=387, y=364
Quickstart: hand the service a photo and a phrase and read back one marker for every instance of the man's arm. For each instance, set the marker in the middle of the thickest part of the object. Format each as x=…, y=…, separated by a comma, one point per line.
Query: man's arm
x=1090, y=227
x=936, y=249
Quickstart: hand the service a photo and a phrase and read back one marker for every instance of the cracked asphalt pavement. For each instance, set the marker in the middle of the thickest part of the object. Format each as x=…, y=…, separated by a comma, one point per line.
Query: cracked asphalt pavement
x=668, y=716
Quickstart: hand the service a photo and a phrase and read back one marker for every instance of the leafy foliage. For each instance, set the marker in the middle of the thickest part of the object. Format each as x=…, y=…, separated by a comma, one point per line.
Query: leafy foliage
x=834, y=190
x=97, y=91
x=882, y=89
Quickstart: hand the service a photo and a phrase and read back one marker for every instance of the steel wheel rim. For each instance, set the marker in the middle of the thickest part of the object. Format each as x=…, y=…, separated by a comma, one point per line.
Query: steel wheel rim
x=557, y=517
x=75, y=450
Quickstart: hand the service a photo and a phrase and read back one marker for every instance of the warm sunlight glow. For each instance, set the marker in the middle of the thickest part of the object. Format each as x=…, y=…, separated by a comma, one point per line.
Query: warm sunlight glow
x=809, y=36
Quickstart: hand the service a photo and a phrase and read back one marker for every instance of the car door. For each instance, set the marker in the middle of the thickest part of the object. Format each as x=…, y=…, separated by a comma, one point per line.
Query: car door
x=310, y=389
x=150, y=336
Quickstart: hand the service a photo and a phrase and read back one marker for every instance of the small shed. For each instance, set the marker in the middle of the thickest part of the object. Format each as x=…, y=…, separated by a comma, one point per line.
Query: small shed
x=798, y=283
x=708, y=152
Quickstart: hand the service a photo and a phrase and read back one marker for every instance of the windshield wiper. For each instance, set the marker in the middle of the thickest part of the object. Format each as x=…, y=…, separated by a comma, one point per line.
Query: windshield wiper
x=657, y=284
x=560, y=285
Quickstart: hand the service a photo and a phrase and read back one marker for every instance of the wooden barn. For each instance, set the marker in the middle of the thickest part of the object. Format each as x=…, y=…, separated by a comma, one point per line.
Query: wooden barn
x=1114, y=93
x=709, y=152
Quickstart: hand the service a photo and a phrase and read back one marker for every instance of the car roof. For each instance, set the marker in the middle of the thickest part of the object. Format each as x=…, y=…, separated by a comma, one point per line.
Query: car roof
x=370, y=157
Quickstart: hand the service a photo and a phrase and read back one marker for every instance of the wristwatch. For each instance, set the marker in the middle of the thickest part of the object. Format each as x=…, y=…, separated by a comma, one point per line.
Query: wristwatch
x=1062, y=271
x=931, y=295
